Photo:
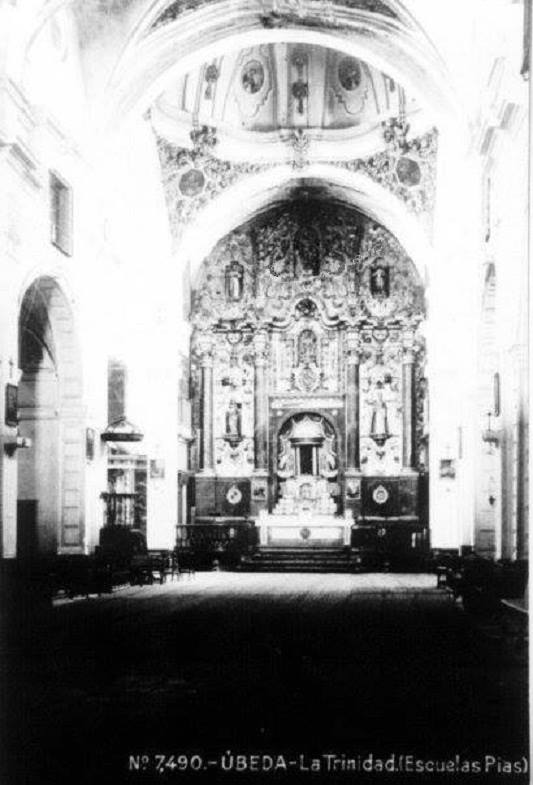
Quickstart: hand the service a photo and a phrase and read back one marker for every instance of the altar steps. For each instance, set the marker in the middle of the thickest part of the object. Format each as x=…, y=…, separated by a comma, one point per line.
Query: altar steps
x=297, y=559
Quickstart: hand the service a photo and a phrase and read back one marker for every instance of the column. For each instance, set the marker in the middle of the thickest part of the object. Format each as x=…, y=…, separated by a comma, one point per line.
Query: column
x=408, y=404
x=261, y=404
x=260, y=485
x=352, y=402
x=206, y=419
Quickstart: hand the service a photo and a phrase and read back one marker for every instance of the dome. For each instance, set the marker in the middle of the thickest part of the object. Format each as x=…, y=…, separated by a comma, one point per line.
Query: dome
x=263, y=93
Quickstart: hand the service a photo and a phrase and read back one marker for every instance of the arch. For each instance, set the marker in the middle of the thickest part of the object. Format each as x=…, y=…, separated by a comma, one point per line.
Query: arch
x=286, y=418
x=395, y=44
x=257, y=192
x=51, y=471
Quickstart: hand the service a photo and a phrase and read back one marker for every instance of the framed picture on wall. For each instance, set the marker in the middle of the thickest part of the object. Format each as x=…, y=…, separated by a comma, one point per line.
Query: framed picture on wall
x=157, y=469
x=11, y=406
x=90, y=438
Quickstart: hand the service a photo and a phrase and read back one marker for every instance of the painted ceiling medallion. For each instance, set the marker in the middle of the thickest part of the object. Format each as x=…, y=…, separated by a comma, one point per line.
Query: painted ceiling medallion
x=252, y=77
x=408, y=171
x=349, y=73
x=192, y=182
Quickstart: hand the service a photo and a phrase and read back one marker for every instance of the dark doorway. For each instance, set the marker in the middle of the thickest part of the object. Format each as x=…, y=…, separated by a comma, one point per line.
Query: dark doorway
x=306, y=459
x=27, y=528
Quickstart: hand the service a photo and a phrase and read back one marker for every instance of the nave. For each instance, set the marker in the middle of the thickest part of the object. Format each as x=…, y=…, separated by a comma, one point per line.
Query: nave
x=260, y=664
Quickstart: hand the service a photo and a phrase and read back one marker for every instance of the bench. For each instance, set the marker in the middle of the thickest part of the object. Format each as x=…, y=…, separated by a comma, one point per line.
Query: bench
x=158, y=565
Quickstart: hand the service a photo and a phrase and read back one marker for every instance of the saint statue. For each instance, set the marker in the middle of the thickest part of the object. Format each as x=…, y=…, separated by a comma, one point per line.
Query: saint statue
x=379, y=427
x=328, y=458
x=307, y=250
x=233, y=420
x=379, y=280
x=286, y=465
x=234, y=281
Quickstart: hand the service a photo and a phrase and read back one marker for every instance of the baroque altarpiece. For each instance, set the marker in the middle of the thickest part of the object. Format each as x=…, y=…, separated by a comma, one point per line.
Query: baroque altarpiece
x=307, y=360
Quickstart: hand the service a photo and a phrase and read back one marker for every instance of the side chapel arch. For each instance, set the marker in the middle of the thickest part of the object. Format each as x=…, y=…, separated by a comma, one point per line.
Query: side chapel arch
x=50, y=411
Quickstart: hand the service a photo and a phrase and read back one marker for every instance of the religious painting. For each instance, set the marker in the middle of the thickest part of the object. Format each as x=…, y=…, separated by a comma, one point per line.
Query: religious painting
x=349, y=73
x=90, y=439
x=252, y=77
x=234, y=282
x=408, y=171
x=192, y=182
x=11, y=406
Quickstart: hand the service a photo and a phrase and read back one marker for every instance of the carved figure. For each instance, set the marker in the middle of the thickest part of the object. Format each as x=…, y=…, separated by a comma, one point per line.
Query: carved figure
x=379, y=427
x=234, y=281
x=307, y=348
x=328, y=458
x=307, y=250
x=233, y=419
x=286, y=458
x=379, y=280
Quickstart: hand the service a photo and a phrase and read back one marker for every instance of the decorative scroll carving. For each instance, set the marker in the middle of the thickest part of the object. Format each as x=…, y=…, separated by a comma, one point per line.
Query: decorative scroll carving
x=316, y=261
x=192, y=178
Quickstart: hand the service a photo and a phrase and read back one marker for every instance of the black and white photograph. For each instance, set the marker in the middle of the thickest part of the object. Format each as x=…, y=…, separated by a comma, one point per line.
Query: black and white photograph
x=264, y=336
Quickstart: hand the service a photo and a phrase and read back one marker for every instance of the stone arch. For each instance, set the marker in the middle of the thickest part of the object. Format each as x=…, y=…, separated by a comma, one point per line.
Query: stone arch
x=394, y=43
x=257, y=192
x=51, y=471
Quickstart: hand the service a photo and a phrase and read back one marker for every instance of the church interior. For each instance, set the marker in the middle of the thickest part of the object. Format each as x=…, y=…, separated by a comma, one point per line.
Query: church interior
x=264, y=311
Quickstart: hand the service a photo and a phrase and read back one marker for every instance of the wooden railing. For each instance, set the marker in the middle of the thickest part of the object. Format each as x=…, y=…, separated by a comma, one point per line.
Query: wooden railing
x=214, y=541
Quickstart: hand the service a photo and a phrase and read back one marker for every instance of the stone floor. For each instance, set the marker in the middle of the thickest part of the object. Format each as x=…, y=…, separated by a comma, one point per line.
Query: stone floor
x=259, y=663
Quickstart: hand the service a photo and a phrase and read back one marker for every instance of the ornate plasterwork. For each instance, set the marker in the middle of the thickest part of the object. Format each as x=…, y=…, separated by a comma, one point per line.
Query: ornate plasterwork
x=192, y=178
x=278, y=12
x=288, y=246
x=409, y=174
